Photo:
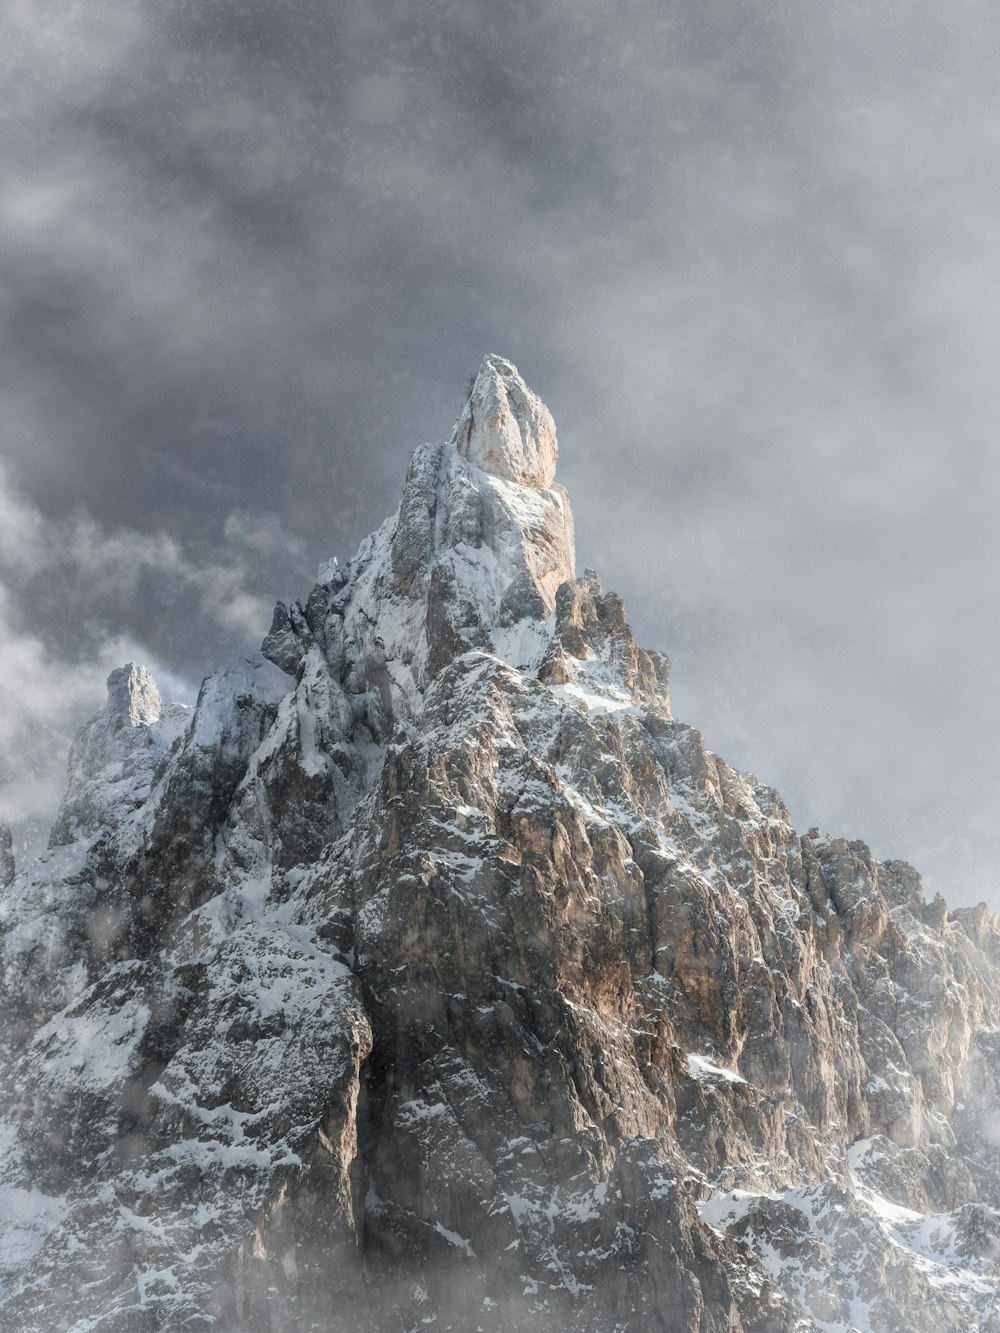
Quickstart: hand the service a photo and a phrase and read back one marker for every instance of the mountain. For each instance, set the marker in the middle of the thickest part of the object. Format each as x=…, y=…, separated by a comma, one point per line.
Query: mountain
x=429, y=974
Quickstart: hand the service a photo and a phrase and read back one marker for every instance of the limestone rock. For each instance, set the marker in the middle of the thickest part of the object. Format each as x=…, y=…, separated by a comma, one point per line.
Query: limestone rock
x=506, y=429
x=431, y=974
x=112, y=759
x=7, y=866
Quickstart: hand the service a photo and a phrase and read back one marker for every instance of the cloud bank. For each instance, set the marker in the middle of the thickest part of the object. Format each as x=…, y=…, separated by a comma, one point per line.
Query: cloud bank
x=252, y=253
x=55, y=573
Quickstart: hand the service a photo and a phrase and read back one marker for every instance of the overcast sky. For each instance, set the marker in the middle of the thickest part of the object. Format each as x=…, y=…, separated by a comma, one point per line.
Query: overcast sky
x=250, y=254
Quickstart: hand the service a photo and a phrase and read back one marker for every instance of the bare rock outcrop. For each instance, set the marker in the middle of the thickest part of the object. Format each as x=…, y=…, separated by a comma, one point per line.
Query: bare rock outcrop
x=112, y=759
x=431, y=974
x=506, y=429
x=8, y=866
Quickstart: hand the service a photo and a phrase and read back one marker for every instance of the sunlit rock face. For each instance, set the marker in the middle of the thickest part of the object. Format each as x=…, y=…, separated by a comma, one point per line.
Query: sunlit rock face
x=429, y=973
x=506, y=429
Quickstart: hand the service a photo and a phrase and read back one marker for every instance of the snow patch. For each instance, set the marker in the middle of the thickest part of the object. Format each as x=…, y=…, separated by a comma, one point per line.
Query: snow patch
x=703, y=1068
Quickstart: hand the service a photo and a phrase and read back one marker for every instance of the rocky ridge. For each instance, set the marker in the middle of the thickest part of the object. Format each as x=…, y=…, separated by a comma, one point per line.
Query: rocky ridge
x=429, y=973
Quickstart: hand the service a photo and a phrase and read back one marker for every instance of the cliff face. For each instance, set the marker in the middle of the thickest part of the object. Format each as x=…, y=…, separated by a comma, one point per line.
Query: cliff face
x=430, y=974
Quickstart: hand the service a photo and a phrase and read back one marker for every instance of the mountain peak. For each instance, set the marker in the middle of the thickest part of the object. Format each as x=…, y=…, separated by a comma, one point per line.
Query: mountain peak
x=473, y=559
x=133, y=696
x=456, y=982
x=505, y=428
x=112, y=759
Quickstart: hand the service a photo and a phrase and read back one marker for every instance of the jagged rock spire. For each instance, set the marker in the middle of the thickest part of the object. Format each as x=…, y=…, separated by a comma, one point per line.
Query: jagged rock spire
x=133, y=703
x=121, y=736
x=133, y=696
x=474, y=989
x=506, y=429
x=473, y=559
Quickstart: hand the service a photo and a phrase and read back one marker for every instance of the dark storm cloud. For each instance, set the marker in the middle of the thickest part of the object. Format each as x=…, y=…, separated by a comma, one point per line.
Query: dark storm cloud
x=251, y=253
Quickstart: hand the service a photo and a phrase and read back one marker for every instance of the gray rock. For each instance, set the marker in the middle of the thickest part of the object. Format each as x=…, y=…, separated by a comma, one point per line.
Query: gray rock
x=133, y=696
x=454, y=983
x=506, y=429
x=280, y=645
x=112, y=758
x=7, y=865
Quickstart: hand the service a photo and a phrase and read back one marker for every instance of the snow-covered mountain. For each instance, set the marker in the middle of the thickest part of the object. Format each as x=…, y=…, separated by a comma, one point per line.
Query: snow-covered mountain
x=429, y=974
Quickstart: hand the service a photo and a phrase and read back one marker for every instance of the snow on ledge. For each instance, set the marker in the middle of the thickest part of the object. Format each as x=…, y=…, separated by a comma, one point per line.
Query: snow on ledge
x=701, y=1067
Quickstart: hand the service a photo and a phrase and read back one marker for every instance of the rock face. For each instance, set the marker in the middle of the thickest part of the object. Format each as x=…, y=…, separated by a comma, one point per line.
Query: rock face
x=430, y=974
x=111, y=762
x=8, y=867
x=506, y=429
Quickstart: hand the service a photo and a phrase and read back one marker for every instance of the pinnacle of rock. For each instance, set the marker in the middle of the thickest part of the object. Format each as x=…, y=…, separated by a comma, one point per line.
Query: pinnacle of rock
x=452, y=969
x=115, y=745
x=506, y=429
x=133, y=696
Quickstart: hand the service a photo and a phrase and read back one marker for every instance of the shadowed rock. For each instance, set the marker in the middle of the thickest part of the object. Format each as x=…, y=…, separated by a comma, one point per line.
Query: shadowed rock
x=443, y=979
x=7, y=865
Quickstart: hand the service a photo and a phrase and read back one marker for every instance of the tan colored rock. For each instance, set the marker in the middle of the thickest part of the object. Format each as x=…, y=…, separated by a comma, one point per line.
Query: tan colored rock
x=452, y=982
x=507, y=430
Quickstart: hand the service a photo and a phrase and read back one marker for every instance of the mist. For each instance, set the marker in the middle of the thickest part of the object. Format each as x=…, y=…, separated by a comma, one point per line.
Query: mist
x=251, y=256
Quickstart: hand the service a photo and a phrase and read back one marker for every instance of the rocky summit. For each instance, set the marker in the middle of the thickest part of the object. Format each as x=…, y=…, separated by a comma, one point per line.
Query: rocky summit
x=427, y=974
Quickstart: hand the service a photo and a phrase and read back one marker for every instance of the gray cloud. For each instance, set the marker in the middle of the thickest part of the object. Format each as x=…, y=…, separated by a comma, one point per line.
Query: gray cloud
x=71, y=594
x=251, y=254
